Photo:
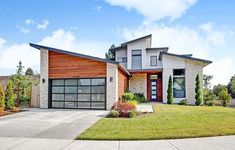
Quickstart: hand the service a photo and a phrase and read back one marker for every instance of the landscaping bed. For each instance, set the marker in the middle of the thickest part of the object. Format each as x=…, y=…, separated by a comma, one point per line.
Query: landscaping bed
x=167, y=122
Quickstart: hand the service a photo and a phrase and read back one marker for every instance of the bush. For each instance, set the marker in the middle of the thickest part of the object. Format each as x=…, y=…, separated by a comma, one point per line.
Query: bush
x=208, y=97
x=1, y=110
x=225, y=97
x=2, y=98
x=170, y=91
x=113, y=113
x=132, y=113
x=15, y=109
x=183, y=102
x=128, y=96
x=124, y=109
x=9, y=97
x=140, y=98
x=198, y=91
x=133, y=102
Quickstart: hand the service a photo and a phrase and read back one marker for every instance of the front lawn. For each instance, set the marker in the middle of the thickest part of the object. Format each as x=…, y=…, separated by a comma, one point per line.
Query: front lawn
x=167, y=122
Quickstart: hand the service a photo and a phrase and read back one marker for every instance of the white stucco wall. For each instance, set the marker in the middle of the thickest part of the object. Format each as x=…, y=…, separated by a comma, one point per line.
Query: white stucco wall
x=138, y=84
x=44, y=75
x=140, y=44
x=111, y=86
x=192, y=68
x=150, y=53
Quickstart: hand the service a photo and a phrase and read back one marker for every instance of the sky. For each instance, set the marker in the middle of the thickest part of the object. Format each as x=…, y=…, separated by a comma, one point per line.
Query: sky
x=205, y=28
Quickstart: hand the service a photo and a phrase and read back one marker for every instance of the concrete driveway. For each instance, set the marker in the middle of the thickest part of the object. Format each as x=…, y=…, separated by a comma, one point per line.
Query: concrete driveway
x=48, y=123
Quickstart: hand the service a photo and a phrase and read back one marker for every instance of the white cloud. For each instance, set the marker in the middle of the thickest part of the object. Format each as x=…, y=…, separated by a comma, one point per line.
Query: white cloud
x=98, y=8
x=43, y=25
x=23, y=29
x=213, y=43
x=11, y=54
x=29, y=22
x=154, y=10
x=2, y=42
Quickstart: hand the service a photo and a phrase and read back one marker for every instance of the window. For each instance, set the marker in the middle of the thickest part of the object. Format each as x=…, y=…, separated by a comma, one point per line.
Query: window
x=136, y=59
x=123, y=61
x=179, y=83
x=78, y=93
x=153, y=60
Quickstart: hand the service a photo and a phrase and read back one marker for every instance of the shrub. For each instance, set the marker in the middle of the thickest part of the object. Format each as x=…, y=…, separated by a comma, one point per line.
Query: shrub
x=225, y=97
x=198, y=91
x=132, y=113
x=123, y=109
x=183, y=102
x=170, y=91
x=113, y=113
x=133, y=102
x=9, y=97
x=140, y=97
x=2, y=98
x=15, y=109
x=1, y=110
x=208, y=96
x=128, y=96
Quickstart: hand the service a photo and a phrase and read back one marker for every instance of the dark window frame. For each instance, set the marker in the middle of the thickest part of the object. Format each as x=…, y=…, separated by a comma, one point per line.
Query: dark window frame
x=136, y=55
x=151, y=62
x=76, y=102
x=179, y=76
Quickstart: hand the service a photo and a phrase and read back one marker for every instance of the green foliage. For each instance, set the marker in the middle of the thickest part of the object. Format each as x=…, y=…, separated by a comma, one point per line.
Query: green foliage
x=2, y=98
x=183, y=102
x=133, y=113
x=218, y=88
x=128, y=96
x=133, y=102
x=198, y=91
x=29, y=72
x=231, y=86
x=208, y=96
x=140, y=98
x=114, y=113
x=225, y=97
x=109, y=54
x=207, y=81
x=170, y=91
x=9, y=96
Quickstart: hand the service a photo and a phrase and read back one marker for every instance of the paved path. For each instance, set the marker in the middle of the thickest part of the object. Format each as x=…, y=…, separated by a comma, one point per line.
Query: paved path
x=48, y=123
x=212, y=143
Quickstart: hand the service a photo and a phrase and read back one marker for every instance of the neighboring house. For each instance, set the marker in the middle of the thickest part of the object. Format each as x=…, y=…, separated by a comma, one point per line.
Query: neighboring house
x=72, y=80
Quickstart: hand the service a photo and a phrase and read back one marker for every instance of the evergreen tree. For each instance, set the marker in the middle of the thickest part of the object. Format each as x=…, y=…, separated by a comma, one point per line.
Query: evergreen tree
x=170, y=91
x=2, y=98
x=109, y=54
x=29, y=72
x=9, y=96
x=198, y=91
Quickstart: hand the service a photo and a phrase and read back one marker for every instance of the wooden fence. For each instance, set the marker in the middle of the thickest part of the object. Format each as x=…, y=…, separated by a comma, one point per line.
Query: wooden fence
x=35, y=97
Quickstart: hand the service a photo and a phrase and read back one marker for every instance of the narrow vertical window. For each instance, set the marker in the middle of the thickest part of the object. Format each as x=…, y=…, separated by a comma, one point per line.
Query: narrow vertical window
x=179, y=83
x=153, y=60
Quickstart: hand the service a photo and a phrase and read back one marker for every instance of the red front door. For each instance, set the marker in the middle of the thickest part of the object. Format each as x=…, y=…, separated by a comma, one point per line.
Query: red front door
x=153, y=90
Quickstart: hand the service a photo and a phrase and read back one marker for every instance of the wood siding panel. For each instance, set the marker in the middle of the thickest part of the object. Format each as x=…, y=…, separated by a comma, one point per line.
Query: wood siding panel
x=67, y=66
x=122, y=83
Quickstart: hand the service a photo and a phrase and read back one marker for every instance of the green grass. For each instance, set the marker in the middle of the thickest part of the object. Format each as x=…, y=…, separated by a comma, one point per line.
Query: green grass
x=167, y=122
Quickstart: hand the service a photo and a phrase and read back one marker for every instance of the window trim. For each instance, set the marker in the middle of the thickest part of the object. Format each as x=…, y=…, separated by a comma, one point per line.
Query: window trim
x=180, y=76
x=151, y=60
x=136, y=55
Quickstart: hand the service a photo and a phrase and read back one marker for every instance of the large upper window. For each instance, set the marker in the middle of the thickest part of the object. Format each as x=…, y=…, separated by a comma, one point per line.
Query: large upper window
x=179, y=83
x=136, y=59
x=153, y=60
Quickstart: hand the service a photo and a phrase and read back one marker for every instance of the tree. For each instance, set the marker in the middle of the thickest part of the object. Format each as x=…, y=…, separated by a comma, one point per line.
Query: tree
x=208, y=96
x=170, y=91
x=109, y=54
x=198, y=91
x=207, y=81
x=218, y=88
x=29, y=72
x=9, y=96
x=231, y=86
x=20, y=68
x=225, y=97
x=2, y=98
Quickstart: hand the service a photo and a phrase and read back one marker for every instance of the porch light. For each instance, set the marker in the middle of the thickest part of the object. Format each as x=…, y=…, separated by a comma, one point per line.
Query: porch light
x=43, y=80
x=111, y=79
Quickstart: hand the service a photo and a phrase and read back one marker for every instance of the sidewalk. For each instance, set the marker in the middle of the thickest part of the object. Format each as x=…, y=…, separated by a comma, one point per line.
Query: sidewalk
x=211, y=143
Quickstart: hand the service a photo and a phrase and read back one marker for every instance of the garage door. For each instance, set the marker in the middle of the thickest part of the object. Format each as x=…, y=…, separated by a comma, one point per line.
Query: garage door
x=86, y=93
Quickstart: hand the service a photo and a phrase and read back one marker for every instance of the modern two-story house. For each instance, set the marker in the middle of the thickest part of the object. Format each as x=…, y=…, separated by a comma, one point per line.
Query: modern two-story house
x=73, y=80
